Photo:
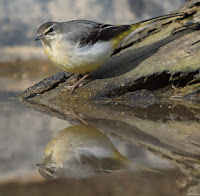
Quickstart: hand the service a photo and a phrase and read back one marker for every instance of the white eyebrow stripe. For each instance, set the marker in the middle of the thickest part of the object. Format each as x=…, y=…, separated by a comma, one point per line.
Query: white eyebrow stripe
x=48, y=29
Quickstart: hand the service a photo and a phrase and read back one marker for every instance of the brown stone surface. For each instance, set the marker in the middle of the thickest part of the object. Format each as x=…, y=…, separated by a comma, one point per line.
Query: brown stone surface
x=158, y=58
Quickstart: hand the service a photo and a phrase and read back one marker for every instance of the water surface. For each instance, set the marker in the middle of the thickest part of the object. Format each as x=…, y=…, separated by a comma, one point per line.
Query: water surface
x=117, y=149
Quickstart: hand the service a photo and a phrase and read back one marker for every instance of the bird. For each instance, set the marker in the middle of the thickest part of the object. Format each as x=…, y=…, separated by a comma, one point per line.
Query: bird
x=82, y=46
x=83, y=151
x=80, y=151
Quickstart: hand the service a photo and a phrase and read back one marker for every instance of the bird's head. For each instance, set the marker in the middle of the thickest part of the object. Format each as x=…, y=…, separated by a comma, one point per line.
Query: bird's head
x=49, y=31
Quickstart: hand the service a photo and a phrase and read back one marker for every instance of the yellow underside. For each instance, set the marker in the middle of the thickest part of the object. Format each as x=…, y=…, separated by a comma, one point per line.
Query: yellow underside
x=61, y=61
x=84, y=68
x=120, y=37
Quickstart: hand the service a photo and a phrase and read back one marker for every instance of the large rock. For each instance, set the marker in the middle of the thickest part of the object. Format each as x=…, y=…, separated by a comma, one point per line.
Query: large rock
x=163, y=58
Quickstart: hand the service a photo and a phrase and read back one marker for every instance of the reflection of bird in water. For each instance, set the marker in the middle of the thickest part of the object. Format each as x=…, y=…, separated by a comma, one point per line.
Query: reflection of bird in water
x=79, y=152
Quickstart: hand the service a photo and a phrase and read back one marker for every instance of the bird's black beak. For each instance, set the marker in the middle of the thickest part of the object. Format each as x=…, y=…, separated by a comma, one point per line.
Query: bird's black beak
x=40, y=165
x=39, y=37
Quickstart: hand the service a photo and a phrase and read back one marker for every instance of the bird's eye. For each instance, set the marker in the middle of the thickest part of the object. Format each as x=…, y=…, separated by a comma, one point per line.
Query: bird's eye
x=51, y=171
x=51, y=29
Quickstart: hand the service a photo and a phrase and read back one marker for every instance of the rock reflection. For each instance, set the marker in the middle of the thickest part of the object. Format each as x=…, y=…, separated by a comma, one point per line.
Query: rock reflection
x=80, y=151
x=167, y=128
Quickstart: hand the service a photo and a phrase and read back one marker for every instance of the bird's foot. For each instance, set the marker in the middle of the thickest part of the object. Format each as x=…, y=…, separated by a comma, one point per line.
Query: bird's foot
x=71, y=88
x=76, y=84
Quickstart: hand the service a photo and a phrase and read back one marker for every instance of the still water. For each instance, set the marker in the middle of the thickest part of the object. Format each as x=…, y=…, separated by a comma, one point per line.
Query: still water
x=124, y=150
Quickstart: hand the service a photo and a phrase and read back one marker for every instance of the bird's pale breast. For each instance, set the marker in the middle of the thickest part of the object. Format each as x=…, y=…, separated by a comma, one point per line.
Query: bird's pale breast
x=78, y=59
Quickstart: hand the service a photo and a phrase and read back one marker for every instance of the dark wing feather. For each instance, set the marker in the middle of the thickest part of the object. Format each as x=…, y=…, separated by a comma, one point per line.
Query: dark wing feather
x=89, y=32
x=103, y=32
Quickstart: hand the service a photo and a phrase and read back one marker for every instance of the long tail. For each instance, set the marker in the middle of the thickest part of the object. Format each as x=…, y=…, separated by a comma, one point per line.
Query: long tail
x=152, y=20
x=137, y=25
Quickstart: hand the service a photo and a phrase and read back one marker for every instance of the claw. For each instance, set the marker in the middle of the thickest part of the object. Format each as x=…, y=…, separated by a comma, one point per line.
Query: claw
x=70, y=88
x=73, y=88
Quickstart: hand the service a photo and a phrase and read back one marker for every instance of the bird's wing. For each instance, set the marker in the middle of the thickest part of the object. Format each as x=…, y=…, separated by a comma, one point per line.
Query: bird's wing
x=89, y=32
x=103, y=32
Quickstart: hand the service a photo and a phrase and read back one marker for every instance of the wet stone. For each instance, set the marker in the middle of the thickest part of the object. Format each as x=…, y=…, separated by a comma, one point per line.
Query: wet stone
x=140, y=97
x=162, y=59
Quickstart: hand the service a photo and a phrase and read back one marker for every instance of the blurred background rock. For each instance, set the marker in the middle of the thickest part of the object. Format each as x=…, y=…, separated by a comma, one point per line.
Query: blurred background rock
x=20, y=19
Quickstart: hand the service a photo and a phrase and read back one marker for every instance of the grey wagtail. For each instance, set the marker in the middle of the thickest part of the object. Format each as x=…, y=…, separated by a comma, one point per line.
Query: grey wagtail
x=83, y=151
x=80, y=151
x=81, y=46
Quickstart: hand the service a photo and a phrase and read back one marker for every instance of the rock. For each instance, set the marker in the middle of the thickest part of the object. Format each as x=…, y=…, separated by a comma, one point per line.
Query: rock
x=137, y=98
x=163, y=59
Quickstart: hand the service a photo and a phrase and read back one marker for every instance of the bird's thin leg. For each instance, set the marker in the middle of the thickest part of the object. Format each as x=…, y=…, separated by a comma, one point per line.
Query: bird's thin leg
x=75, y=85
x=74, y=78
x=79, y=118
x=78, y=82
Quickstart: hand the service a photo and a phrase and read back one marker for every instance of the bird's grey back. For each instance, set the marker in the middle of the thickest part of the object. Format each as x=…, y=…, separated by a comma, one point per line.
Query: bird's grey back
x=78, y=30
x=89, y=32
x=77, y=25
